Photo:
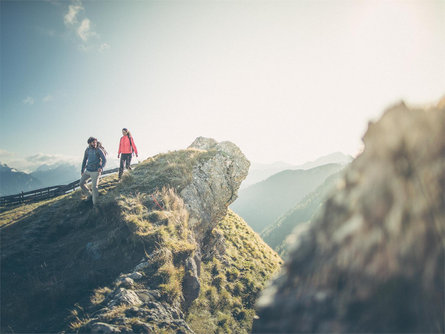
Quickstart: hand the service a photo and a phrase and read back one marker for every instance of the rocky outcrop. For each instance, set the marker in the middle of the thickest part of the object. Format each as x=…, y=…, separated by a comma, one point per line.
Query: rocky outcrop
x=132, y=306
x=155, y=295
x=374, y=259
x=215, y=183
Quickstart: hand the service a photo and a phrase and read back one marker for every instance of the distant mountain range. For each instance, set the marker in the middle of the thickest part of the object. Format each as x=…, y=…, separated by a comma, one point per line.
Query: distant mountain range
x=275, y=235
x=261, y=204
x=259, y=172
x=13, y=181
x=56, y=175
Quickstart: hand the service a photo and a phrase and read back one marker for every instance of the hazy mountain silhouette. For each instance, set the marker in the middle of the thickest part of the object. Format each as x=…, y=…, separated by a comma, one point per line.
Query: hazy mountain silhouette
x=263, y=203
x=13, y=181
x=276, y=234
x=259, y=172
x=56, y=174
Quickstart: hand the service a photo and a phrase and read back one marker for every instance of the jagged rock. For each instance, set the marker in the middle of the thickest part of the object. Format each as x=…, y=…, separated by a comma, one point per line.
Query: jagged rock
x=374, y=259
x=127, y=282
x=214, y=245
x=135, y=276
x=126, y=297
x=203, y=143
x=103, y=328
x=190, y=285
x=215, y=183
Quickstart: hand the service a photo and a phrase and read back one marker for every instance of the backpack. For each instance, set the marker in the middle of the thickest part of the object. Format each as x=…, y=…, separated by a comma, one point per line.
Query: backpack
x=100, y=146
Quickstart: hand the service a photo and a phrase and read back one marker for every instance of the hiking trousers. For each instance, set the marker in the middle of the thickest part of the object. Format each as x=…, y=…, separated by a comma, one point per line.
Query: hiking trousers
x=94, y=183
x=125, y=158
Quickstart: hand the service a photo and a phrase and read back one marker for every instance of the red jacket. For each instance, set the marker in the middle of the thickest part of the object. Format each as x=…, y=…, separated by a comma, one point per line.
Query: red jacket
x=125, y=147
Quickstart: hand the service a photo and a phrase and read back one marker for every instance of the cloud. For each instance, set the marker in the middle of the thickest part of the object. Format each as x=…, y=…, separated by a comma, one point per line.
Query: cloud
x=5, y=154
x=39, y=159
x=84, y=30
x=70, y=18
x=48, y=98
x=31, y=163
x=29, y=101
x=104, y=46
x=81, y=26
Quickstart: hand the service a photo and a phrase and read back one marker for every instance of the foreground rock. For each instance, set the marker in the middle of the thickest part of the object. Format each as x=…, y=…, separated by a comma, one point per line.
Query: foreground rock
x=374, y=259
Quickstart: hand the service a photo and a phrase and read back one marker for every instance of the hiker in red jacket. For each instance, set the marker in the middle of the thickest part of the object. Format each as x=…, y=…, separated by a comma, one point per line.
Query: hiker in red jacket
x=126, y=150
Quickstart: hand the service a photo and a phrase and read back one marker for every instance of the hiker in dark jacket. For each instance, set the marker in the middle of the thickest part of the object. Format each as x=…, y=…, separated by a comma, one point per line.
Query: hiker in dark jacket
x=127, y=148
x=92, y=166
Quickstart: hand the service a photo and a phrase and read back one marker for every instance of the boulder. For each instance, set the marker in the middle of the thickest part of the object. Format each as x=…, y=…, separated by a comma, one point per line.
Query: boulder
x=373, y=261
x=214, y=185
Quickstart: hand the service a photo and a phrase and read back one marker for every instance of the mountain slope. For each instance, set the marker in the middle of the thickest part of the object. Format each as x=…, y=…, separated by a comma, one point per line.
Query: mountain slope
x=151, y=258
x=263, y=203
x=56, y=175
x=260, y=172
x=276, y=234
x=14, y=182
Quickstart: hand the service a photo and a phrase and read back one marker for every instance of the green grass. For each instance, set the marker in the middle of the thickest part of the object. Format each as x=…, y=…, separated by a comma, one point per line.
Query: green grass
x=230, y=285
x=172, y=170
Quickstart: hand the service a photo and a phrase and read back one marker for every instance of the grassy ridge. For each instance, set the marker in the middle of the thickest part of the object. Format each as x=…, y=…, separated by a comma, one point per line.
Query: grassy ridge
x=230, y=284
x=61, y=252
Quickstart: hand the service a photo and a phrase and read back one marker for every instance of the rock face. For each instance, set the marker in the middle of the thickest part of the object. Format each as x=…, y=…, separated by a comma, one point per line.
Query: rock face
x=215, y=183
x=374, y=259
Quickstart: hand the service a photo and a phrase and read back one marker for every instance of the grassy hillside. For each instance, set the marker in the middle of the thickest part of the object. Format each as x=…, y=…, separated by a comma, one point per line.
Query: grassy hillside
x=231, y=284
x=263, y=203
x=275, y=235
x=61, y=259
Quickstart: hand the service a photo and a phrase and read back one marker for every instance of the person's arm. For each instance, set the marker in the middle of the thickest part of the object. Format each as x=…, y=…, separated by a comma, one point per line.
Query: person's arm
x=134, y=146
x=120, y=148
x=84, y=162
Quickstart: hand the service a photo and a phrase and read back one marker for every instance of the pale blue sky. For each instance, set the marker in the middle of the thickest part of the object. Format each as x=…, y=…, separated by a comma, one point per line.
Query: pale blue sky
x=284, y=80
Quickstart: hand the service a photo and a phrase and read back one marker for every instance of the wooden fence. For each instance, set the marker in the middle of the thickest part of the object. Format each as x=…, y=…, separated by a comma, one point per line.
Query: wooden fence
x=44, y=193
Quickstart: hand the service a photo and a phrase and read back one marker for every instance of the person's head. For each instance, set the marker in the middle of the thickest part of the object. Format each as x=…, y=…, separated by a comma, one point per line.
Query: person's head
x=125, y=132
x=92, y=141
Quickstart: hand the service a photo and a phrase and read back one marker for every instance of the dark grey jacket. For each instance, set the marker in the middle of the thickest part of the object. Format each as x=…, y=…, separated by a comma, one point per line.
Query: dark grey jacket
x=93, y=159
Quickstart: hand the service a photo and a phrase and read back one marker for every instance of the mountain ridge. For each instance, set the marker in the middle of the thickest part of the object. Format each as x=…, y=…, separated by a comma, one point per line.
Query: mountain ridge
x=13, y=181
x=260, y=171
x=276, y=234
x=150, y=257
x=262, y=204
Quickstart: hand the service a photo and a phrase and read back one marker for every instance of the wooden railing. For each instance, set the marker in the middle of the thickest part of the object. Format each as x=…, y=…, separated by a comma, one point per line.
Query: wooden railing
x=44, y=193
